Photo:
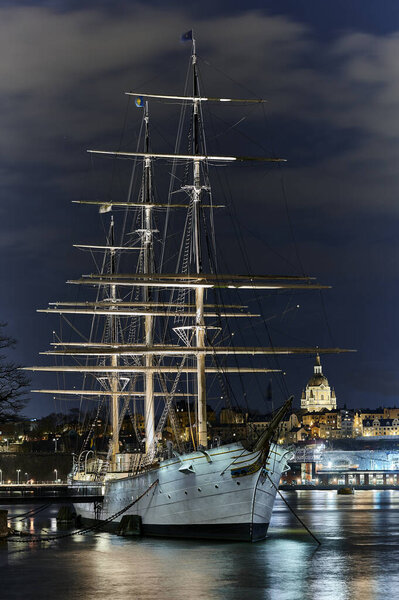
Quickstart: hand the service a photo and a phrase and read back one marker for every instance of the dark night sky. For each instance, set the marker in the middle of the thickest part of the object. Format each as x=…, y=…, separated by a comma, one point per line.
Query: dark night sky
x=331, y=75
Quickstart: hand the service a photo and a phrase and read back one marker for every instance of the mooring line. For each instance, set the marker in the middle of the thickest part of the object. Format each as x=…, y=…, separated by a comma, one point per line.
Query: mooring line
x=293, y=511
x=96, y=526
x=30, y=513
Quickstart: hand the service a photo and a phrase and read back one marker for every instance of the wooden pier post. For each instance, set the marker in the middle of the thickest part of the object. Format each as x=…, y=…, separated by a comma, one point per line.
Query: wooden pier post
x=3, y=523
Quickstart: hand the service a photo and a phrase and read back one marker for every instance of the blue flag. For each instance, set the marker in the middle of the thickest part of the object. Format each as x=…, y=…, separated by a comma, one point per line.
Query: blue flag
x=186, y=37
x=139, y=102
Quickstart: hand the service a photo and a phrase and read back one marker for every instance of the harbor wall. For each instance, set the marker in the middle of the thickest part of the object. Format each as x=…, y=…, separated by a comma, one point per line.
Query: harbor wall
x=37, y=466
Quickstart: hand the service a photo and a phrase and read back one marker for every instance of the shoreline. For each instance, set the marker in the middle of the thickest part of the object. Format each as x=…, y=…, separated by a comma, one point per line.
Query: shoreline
x=335, y=486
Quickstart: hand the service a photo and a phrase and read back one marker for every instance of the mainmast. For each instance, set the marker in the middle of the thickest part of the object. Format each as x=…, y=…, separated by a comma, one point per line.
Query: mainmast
x=202, y=437
x=149, y=417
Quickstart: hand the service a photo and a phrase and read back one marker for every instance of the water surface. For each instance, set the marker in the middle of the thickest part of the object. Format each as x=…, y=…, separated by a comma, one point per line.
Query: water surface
x=358, y=558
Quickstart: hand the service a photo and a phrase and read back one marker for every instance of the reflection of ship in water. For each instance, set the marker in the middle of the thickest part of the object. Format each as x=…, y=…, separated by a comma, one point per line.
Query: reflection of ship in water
x=157, y=334
x=359, y=538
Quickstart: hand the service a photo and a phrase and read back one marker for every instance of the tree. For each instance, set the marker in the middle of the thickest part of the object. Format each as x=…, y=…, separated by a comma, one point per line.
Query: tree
x=13, y=382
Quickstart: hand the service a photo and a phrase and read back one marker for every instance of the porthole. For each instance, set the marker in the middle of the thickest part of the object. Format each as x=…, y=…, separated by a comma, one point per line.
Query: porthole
x=168, y=496
x=185, y=493
x=216, y=486
x=238, y=483
x=199, y=489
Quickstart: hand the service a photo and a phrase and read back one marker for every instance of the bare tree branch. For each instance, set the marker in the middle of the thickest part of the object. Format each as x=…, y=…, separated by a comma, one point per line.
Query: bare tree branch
x=13, y=382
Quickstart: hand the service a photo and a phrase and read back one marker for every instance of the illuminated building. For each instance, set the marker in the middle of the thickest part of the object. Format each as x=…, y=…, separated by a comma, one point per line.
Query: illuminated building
x=318, y=394
x=229, y=416
x=366, y=415
x=380, y=427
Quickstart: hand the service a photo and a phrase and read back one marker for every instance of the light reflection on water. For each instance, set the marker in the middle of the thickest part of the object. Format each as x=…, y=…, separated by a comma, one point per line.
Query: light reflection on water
x=358, y=558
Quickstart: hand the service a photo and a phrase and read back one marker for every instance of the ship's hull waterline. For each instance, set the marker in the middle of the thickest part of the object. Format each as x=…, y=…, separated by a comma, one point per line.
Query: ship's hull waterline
x=225, y=493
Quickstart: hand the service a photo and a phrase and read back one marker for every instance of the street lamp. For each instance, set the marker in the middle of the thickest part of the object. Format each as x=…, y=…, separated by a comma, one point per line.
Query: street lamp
x=6, y=441
x=55, y=444
x=56, y=475
x=1, y=476
x=18, y=472
x=26, y=475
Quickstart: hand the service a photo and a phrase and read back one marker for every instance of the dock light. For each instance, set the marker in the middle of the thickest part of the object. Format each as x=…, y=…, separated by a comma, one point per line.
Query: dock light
x=56, y=475
x=18, y=472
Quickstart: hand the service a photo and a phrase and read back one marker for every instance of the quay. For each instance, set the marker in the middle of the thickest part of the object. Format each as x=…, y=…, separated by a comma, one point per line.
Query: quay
x=53, y=493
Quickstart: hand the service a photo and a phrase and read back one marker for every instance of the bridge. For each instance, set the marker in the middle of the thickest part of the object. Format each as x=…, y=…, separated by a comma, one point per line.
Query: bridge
x=328, y=468
x=51, y=493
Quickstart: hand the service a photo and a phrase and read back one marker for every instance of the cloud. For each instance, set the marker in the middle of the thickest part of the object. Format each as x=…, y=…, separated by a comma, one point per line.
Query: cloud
x=63, y=74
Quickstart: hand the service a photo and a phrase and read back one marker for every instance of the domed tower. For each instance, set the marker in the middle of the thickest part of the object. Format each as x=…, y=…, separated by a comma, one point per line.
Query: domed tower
x=318, y=394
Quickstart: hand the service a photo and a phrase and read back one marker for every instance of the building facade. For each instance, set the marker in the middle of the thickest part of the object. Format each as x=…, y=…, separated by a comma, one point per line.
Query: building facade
x=318, y=394
x=380, y=427
x=363, y=415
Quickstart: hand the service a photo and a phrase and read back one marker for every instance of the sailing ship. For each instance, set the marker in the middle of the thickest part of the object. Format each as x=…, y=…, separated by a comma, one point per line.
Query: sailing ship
x=154, y=333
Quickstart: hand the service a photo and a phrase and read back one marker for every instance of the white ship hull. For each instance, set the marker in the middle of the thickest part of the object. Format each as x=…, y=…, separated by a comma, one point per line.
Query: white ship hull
x=225, y=493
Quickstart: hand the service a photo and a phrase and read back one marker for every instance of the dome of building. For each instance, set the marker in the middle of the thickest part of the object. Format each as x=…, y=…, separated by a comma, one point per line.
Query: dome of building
x=318, y=379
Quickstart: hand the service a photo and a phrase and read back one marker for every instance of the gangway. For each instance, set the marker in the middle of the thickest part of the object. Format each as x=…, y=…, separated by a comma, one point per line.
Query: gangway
x=54, y=493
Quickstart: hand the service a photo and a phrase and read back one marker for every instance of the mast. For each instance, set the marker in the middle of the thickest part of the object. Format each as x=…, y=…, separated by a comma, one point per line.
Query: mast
x=114, y=359
x=202, y=437
x=149, y=418
x=117, y=361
